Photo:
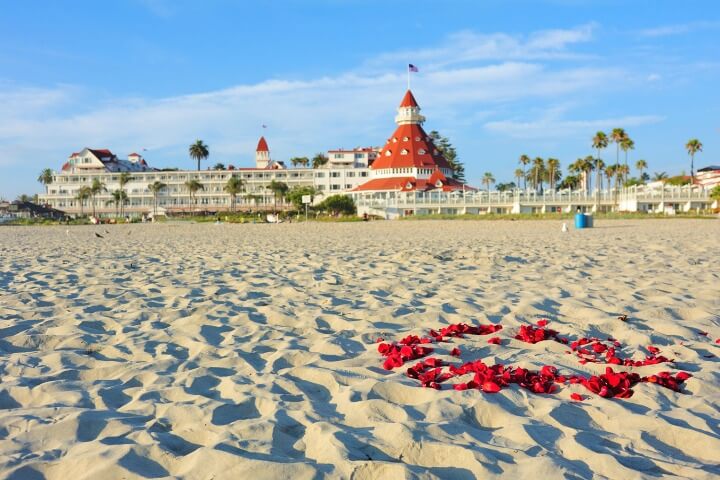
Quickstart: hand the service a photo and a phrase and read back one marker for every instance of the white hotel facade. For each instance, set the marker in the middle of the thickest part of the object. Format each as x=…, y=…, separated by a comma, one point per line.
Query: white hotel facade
x=345, y=170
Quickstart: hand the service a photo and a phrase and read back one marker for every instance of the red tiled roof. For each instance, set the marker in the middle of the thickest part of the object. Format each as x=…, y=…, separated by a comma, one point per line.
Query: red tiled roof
x=408, y=100
x=417, y=141
x=262, y=145
x=408, y=184
x=134, y=155
x=66, y=166
x=103, y=152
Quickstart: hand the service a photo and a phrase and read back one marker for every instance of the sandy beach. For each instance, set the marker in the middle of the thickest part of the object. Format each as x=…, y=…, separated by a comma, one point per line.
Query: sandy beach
x=205, y=351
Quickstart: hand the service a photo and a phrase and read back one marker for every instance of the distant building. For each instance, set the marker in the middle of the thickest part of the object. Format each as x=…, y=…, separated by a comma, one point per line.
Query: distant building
x=355, y=158
x=708, y=177
x=89, y=164
x=20, y=209
x=90, y=160
x=410, y=161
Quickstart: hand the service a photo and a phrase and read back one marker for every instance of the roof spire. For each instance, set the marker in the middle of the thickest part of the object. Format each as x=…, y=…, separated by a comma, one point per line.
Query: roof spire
x=409, y=111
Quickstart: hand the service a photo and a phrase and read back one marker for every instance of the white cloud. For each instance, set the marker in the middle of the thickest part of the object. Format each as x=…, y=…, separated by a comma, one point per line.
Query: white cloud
x=552, y=125
x=678, y=29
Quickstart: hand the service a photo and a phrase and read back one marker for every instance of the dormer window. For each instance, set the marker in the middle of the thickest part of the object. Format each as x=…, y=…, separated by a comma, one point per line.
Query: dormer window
x=394, y=140
x=403, y=152
x=388, y=153
x=405, y=139
x=417, y=139
x=438, y=184
x=421, y=151
x=408, y=186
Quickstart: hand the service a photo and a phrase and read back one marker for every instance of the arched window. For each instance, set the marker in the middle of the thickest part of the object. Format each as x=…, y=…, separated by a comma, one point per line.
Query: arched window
x=388, y=153
x=394, y=140
x=421, y=151
x=405, y=139
x=417, y=139
x=403, y=151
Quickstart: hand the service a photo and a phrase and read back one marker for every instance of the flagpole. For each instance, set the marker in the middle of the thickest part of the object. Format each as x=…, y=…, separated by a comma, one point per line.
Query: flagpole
x=408, y=74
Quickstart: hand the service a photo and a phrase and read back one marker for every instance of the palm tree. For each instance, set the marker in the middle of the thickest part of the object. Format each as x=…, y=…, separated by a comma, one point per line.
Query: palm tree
x=199, y=151
x=45, y=177
x=488, y=180
x=693, y=146
x=156, y=187
x=537, y=170
x=279, y=189
x=254, y=198
x=96, y=188
x=599, y=169
x=553, y=165
x=610, y=174
x=124, y=178
x=519, y=175
x=626, y=144
x=219, y=166
x=118, y=197
x=659, y=176
x=319, y=160
x=233, y=187
x=577, y=168
x=524, y=161
x=616, y=136
x=622, y=172
x=83, y=194
x=600, y=142
x=641, y=165
x=193, y=186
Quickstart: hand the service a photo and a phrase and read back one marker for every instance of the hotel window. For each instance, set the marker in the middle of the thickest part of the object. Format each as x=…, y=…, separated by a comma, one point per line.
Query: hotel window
x=334, y=187
x=394, y=140
x=320, y=174
x=350, y=174
x=421, y=151
x=403, y=152
x=363, y=174
x=334, y=174
x=417, y=139
x=388, y=153
x=405, y=139
x=348, y=186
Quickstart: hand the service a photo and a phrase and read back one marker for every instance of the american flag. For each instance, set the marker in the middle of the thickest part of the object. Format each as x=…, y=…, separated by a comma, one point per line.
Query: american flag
x=412, y=68
x=264, y=126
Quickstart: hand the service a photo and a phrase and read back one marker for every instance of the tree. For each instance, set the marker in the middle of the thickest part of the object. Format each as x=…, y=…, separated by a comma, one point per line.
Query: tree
x=519, y=175
x=219, y=166
x=83, y=194
x=303, y=161
x=616, y=136
x=641, y=165
x=233, y=187
x=610, y=174
x=123, y=180
x=622, y=172
x=506, y=187
x=193, y=186
x=553, y=165
x=569, y=182
x=118, y=198
x=96, y=188
x=279, y=190
x=255, y=198
x=626, y=144
x=524, y=161
x=693, y=146
x=295, y=195
x=488, y=180
x=199, y=151
x=24, y=198
x=319, y=160
x=599, y=169
x=715, y=194
x=450, y=154
x=45, y=177
x=156, y=187
x=586, y=166
x=338, y=204
x=537, y=171
x=659, y=176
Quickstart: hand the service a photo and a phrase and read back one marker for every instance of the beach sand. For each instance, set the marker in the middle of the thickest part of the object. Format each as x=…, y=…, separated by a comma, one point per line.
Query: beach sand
x=205, y=351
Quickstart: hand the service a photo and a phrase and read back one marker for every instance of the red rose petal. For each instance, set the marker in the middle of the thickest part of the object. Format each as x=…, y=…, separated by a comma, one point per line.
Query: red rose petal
x=490, y=387
x=577, y=397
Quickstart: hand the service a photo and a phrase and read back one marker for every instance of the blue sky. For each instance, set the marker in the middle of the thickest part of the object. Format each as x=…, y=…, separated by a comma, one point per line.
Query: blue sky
x=499, y=77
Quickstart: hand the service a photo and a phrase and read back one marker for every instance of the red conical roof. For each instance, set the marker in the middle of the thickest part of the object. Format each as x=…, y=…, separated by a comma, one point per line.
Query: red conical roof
x=262, y=145
x=409, y=147
x=408, y=100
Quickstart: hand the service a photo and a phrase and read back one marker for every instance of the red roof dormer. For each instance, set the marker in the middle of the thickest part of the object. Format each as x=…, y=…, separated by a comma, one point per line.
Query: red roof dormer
x=262, y=145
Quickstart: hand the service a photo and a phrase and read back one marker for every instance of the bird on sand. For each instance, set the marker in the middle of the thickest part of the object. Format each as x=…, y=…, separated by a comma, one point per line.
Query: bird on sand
x=98, y=235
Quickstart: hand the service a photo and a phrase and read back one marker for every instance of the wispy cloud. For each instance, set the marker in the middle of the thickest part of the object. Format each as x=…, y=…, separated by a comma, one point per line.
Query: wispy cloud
x=553, y=125
x=468, y=46
x=679, y=29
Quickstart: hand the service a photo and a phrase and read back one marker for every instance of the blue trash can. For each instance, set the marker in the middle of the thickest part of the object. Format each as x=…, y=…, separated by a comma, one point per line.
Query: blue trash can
x=580, y=220
x=588, y=221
